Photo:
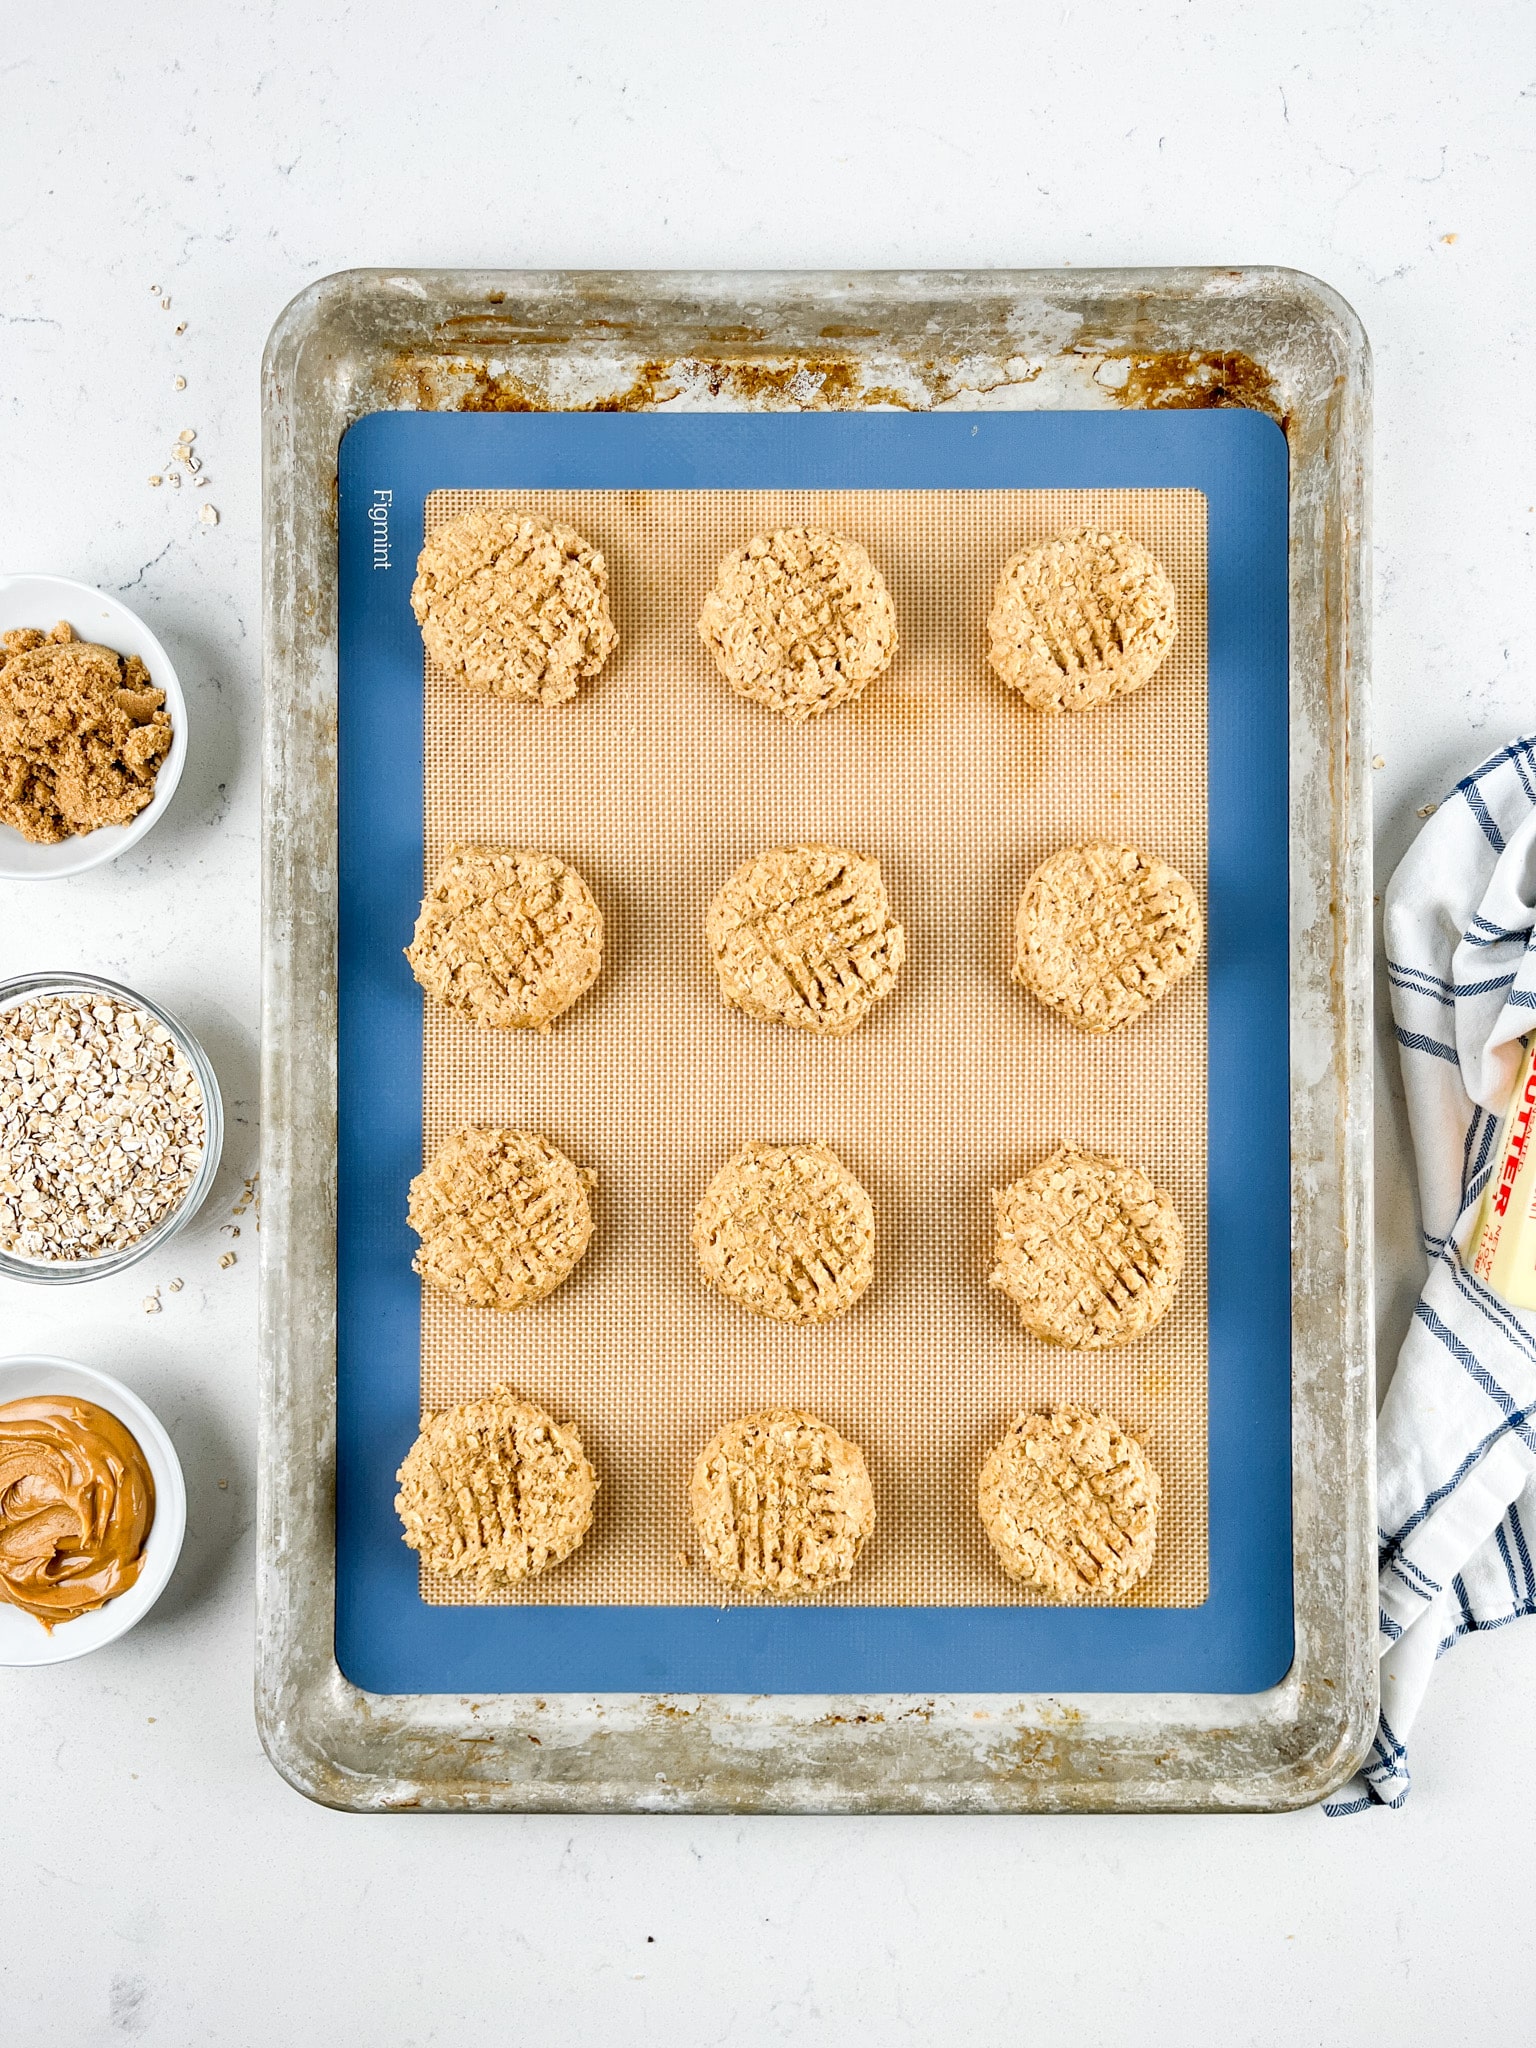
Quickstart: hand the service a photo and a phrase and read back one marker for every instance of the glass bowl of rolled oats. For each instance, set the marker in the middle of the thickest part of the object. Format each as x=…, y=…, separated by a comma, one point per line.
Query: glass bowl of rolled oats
x=111, y=1126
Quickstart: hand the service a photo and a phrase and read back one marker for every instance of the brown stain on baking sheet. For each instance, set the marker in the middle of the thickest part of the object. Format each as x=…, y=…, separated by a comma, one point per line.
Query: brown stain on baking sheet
x=807, y=381
x=837, y=386
x=1196, y=379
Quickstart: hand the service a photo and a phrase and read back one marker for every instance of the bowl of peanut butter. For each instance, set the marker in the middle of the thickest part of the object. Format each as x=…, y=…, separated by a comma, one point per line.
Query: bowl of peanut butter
x=93, y=1509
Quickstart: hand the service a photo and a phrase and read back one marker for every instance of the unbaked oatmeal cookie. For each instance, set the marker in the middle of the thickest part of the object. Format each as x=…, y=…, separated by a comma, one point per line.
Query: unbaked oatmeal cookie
x=1104, y=931
x=1088, y=1250
x=1079, y=619
x=513, y=606
x=508, y=937
x=782, y=1504
x=799, y=620
x=1070, y=1502
x=787, y=1232
x=503, y=1217
x=495, y=1490
x=804, y=935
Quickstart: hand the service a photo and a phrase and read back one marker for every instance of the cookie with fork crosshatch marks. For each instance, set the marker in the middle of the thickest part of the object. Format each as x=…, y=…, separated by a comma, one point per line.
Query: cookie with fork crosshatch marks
x=786, y=1232
x=1087, y=1249
x=782, y=1504
x=1069, y=1502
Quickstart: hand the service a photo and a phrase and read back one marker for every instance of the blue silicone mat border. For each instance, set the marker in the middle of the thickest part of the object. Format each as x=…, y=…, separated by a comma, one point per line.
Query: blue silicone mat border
x=388, y=1639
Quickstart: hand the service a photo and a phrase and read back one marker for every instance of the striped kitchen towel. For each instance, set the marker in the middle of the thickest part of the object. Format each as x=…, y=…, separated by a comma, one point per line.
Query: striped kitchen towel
x=1457, y=1437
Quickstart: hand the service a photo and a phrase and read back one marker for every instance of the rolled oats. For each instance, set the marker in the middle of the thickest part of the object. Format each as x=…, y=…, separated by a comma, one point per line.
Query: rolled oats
x=102, y=1126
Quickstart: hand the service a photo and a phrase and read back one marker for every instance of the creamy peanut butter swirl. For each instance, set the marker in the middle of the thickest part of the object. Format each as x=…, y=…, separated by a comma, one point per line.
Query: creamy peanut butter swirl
x=76, y=1505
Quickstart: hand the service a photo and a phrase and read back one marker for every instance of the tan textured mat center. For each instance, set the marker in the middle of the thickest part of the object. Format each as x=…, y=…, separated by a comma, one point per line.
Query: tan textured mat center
x=656, y=783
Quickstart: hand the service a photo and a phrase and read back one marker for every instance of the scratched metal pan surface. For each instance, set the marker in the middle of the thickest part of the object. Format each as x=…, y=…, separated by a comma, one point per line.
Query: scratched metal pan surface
x=1271, y=341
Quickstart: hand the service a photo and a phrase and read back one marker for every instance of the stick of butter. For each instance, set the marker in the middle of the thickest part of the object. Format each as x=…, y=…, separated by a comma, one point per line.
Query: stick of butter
x=1505, y=1257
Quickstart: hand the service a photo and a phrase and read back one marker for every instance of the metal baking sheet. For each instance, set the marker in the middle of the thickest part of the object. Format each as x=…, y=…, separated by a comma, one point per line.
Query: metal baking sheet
x=954, y=1747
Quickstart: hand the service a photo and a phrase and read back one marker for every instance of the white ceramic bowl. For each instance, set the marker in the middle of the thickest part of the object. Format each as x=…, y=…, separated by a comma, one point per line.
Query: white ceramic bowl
x=43, y=601
x=23, y=1640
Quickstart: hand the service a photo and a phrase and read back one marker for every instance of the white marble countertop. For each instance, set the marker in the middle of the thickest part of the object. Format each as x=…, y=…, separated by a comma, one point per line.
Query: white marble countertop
x=162, y=1884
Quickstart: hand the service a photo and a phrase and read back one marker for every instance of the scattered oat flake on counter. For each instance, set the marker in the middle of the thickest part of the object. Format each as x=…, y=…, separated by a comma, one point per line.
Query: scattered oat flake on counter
x=208, y=515
x=1428, y=810
x=228, y=1259
x=151, y=1304
x=176, y=1286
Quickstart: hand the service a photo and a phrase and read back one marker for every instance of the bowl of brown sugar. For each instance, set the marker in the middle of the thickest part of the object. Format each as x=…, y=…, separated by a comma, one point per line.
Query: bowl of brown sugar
x=93, y=728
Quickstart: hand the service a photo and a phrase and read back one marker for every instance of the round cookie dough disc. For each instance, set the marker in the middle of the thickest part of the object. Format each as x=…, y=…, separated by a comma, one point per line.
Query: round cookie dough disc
x=502, y=1216
x=1087, y=1250
x=787, y=1232
x=782, y=1504
x=1080, y=619
x=1102, y=932
x=512, y=606
x=1070, y=1504
x=799, y=620
x=510, y=938
x=495, y=1490
x=803, y=935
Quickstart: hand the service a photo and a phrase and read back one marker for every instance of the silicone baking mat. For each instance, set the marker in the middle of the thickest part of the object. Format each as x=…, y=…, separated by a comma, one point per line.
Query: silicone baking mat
x=656, y=783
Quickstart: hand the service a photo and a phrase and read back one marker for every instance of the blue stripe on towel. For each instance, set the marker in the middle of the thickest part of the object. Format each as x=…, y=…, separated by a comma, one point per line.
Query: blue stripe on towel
x=1483, y=815
x=1417, y=1042
x=1517, y=1530
x=1515, y=1418
x=1491, y=934
x=1498, y=1312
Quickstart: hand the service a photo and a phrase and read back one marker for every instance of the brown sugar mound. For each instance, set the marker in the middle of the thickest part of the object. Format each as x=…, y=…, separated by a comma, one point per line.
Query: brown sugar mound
x=514, y=607
x=502, y=1216
x=495, y=1490
x=799, y=620
x=803, y=935
x=1087, y=1250
x=83, y=733
x=1080, y=619
x=1069, y=1502
x=508, y=937
x=782, y=1504
x=787, y=1232
x=1103, y=932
